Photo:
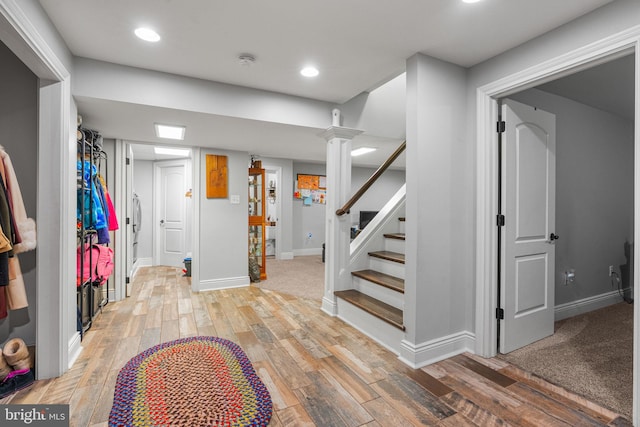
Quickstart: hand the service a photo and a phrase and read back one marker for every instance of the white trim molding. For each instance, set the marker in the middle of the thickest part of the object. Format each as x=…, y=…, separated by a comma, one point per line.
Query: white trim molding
x=426, y=353
x=585, y=305
x=608, y=48
x=226, y=283
x=307, y=252
x=75, y=348
x=286, y=255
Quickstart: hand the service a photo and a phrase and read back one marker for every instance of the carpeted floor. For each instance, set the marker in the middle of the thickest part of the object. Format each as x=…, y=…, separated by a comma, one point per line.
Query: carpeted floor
x=302, y=276
x=590, y=354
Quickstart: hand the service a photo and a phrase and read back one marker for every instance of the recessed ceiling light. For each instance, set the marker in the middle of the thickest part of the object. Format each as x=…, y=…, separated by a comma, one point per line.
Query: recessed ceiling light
x=147, y=34
x=169, y=131
x=362, y=150
x=171, y=151
x=471, y=1
x=309, y=71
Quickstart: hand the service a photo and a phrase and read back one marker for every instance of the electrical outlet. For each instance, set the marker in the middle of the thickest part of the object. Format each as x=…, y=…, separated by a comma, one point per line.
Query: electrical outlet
x=610, y=270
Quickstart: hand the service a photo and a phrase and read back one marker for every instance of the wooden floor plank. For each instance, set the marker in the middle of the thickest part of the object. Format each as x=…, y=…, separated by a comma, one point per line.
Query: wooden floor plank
x=319, y=370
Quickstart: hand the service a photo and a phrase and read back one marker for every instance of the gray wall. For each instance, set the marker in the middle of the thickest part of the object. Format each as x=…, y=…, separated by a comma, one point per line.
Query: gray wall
x=224, y=227
x=311, y=219
x=19, y=137
x=143, y=186
x=306, y=219
x=594, y=192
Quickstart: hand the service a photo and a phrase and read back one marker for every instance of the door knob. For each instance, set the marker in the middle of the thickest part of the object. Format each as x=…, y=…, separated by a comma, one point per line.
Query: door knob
x=553, y=237
x=162, y=222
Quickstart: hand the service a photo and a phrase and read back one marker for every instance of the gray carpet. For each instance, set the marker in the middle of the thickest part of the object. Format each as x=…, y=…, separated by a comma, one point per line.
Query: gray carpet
x=590, y=354
x=302, y=276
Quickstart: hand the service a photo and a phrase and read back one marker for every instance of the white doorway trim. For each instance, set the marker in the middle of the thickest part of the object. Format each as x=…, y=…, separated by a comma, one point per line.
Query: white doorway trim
x=55, y=324
x=612, y=47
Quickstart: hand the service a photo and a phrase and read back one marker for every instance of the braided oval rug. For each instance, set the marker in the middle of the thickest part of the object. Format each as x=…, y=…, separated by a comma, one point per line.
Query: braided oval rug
x=197, y=381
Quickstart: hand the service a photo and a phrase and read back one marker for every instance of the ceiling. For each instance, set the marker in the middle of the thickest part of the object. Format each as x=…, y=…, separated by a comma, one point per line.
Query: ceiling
x=357, y=45
x=609, y=87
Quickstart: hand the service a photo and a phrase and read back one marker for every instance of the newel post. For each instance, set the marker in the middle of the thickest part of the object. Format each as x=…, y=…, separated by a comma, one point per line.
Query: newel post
x=337, y=236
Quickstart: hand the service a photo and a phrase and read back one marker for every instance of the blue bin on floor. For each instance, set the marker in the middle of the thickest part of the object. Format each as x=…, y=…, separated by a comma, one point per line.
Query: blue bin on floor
x=187, y=267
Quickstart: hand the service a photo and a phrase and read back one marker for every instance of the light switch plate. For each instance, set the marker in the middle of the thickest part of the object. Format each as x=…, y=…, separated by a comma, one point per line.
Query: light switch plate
x=235, y=199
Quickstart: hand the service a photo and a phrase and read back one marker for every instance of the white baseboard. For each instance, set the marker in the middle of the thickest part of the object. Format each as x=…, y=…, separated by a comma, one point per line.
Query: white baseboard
x=286, y=255
x=307, y=252
x=140, y=262
x=585, y=305
x=75, y=348
x=226, y=283
x=426, y=353
x=329, y=306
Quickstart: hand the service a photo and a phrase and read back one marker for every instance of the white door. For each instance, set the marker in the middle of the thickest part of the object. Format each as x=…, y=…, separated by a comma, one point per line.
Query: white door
x=170, y=180
x=528, y=183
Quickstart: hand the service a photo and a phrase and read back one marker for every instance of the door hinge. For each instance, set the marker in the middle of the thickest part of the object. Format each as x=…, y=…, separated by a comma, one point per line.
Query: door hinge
x=500, y=220
x=127, y=280
x=128, y=221
x=499, y=313
x=501, y=126
x=128, y=162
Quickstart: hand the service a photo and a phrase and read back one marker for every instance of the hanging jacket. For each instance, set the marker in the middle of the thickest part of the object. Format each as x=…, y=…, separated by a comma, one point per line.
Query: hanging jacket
x=94, y=216
x=24, y=227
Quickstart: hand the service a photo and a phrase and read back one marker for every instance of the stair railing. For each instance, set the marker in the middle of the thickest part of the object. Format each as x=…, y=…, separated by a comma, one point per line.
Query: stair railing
x=352, y=201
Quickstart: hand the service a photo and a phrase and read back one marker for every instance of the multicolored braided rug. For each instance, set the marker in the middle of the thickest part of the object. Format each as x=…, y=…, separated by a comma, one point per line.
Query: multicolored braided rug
x=197, y=381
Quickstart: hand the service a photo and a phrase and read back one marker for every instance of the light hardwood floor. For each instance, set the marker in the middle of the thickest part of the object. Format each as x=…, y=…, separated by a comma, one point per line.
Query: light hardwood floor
x=319, y=370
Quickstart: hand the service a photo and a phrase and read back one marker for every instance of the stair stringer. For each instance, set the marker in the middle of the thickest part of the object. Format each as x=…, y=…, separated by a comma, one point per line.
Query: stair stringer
x=371, y=238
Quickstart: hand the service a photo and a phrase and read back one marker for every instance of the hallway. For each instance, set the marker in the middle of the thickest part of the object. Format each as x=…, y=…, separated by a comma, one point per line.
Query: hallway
x=319, y=370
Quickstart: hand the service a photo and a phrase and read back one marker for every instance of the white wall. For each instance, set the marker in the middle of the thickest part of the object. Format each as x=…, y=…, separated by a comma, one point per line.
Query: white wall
x=379, y=193
x=19, y=137
x=143, y=186
x=224, y=230
x=439, y=211
x=594, y=192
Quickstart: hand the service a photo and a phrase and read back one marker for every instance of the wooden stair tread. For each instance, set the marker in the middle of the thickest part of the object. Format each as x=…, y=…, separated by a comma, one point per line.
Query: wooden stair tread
x=389, y=256
x=382, y=279
x=377, y=308
x=399, y=236
x=401, y=219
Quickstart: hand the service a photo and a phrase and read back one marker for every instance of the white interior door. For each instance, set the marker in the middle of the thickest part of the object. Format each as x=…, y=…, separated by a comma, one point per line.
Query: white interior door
x=528, y=184
x=170, y=180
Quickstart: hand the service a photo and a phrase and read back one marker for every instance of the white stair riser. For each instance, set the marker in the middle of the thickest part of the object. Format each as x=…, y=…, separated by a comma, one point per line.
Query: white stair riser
x=394, y=245
x=381, y=293
x=385, y=334
x=401, y=227
x=385, y=266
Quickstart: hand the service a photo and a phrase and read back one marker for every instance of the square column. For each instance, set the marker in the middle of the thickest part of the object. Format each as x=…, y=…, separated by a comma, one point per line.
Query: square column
x=338, y=228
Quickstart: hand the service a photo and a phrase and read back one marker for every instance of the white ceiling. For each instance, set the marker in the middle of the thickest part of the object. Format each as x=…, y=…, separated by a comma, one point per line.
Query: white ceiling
x=356, y=44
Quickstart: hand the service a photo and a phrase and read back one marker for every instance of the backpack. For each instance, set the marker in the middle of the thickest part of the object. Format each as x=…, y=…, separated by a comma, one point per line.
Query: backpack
x=98, y=263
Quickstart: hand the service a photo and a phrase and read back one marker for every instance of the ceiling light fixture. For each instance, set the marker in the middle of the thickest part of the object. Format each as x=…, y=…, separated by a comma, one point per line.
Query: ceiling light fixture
x=171, y=151
x=309, y=71
x=147, y=34
x=170, y=131
x=362, y=150
x=471, y=1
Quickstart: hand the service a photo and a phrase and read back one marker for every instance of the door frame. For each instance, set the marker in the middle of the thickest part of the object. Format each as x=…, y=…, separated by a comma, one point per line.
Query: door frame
x=618, y=45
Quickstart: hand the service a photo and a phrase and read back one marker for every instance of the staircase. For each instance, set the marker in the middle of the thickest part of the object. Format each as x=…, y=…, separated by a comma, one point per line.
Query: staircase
x=375, y=302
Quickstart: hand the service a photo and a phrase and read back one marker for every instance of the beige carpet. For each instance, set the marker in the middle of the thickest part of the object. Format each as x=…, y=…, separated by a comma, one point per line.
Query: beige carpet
x=302, y=276
x=590, y=354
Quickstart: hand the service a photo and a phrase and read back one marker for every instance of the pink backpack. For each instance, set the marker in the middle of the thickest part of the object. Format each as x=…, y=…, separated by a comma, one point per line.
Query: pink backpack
x=98, y=264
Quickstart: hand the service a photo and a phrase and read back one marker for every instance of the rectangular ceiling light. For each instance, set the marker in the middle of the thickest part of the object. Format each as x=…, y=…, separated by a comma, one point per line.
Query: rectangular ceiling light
x=169, y=131
x=362, y=150
x=171, y=151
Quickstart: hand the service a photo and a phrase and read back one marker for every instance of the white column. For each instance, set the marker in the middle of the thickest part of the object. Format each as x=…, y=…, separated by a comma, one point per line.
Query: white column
x=337, y=239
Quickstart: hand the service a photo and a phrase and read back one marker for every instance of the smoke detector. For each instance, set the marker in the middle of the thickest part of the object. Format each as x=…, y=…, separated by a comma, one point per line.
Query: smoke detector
x=246, y=60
